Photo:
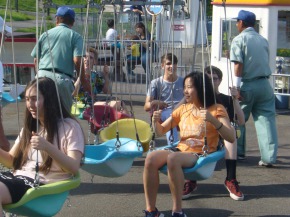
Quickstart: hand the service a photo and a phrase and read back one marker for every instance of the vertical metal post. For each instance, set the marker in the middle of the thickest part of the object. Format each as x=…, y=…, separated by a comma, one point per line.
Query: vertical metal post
x=16, y=5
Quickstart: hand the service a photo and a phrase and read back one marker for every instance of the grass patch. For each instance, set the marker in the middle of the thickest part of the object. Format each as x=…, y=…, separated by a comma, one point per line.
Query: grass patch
x=30, y=5
x=33, y=29
x=27, y=30
x=16, y=16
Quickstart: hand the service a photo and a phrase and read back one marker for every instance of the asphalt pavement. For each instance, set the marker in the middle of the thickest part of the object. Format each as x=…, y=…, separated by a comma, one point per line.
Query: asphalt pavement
x=267, y=190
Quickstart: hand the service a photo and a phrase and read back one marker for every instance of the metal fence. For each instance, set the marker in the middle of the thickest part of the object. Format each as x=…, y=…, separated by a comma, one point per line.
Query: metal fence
x=125, y=23
x=116, y=54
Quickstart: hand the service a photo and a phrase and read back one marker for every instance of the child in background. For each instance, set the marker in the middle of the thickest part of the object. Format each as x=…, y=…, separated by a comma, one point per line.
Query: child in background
x=134, y=57
x=100, y=81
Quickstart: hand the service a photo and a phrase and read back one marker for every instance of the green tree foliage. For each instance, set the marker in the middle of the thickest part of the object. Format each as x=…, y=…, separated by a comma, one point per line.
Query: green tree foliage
x=30, y=5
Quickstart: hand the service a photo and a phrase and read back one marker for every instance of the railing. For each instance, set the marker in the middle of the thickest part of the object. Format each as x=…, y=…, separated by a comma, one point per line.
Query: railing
x=115, y=54
x=281, y=84
x=281, y=90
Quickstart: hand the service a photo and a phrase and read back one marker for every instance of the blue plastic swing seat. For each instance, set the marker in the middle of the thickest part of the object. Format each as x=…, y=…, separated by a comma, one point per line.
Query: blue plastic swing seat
x=105, y=160
x=204, y=167
x=7, y=98
x=46, y=200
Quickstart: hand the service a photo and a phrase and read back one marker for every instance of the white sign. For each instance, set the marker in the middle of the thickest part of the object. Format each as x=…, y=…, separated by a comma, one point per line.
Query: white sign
x=154, y=9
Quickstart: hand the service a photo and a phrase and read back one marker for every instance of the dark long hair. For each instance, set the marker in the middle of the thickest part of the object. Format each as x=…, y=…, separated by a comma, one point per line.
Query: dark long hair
x=52, y=116
x=197, y=82
x=142, y=26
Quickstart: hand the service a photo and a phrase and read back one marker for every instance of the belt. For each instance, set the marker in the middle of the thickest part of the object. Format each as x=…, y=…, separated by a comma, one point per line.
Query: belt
x=58, y=72
x=256, y=78
x=261, y=77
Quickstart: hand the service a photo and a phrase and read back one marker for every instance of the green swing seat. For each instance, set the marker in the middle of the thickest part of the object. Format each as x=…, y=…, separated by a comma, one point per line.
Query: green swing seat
x=46, y=200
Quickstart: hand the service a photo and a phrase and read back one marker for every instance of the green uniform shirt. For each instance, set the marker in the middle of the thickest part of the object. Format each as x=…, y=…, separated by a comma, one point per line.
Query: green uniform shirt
x=251, y=49
x=64, y=43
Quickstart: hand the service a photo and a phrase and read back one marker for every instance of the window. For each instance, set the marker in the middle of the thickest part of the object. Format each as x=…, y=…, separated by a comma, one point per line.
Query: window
x=283, y=34
x=229, y=31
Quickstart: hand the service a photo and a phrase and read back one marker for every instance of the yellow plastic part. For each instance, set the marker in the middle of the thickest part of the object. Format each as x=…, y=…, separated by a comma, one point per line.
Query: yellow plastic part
x=77, y=108
x=253, y=2
x=126, y=128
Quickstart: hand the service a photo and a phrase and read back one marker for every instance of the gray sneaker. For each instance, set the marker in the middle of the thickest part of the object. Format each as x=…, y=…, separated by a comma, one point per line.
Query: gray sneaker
x=241, y=157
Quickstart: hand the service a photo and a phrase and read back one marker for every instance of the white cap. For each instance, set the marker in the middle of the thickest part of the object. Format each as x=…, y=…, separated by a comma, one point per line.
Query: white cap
x=6, y=28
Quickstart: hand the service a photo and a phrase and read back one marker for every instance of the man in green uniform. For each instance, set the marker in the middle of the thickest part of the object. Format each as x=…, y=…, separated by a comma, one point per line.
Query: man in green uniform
x=60, y=52
x=250, y=55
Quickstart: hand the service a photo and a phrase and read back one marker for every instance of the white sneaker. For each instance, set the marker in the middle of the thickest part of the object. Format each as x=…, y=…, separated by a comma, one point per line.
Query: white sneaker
x=261, y=163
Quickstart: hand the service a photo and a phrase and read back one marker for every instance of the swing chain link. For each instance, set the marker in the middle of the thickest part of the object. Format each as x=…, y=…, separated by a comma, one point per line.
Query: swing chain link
x=237, y=128
x=152, y=142
x=205, y=150
x=205, y=147
x=36, y=179
x=152, y=145
x=171, y=137
x=118, y=143
x=138, y=141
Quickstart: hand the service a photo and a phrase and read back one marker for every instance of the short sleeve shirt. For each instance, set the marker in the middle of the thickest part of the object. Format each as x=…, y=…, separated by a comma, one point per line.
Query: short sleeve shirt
x=252, y=50
x=64, y=44
x=111, y=35
x=192, y=128
x=97, y=82
x=166, y=91
x=135, y=48
x=73, y=141
x=227, y=102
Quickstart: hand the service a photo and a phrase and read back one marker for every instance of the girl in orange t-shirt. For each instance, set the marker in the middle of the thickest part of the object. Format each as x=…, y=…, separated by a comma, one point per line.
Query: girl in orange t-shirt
x=191, y=118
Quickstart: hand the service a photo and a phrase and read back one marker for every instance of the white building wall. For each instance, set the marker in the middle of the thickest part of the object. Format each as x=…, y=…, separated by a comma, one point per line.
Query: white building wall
x=187, y=36
x=268, y=16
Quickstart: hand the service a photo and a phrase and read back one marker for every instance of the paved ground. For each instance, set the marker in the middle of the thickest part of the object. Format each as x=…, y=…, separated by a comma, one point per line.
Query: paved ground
x=267, y=191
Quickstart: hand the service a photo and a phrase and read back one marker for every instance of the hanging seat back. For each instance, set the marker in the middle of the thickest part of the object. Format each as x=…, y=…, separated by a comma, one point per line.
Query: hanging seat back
x=204, y=167
x=46, y=200
x=102, y=113
x=126, y=129
x=107, y=161
x=7, y=98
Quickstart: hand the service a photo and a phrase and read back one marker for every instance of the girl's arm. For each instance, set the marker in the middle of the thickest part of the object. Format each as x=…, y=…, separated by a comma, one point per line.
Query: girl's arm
x=69, y=162
x=161, y=129
x=221, y=124
x=150, y=103
x=6, y=158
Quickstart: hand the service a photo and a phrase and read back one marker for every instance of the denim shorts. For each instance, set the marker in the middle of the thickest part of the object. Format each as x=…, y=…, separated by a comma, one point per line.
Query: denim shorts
x=174, y=149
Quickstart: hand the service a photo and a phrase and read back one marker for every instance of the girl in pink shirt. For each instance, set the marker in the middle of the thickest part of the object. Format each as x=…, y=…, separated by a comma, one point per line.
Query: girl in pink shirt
x=54, y=141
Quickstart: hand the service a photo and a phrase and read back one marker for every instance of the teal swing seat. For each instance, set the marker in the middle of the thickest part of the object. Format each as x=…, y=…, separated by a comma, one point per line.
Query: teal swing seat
x=45, y=200
x=110, y=160
x=204, y=167
x=7, y=98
